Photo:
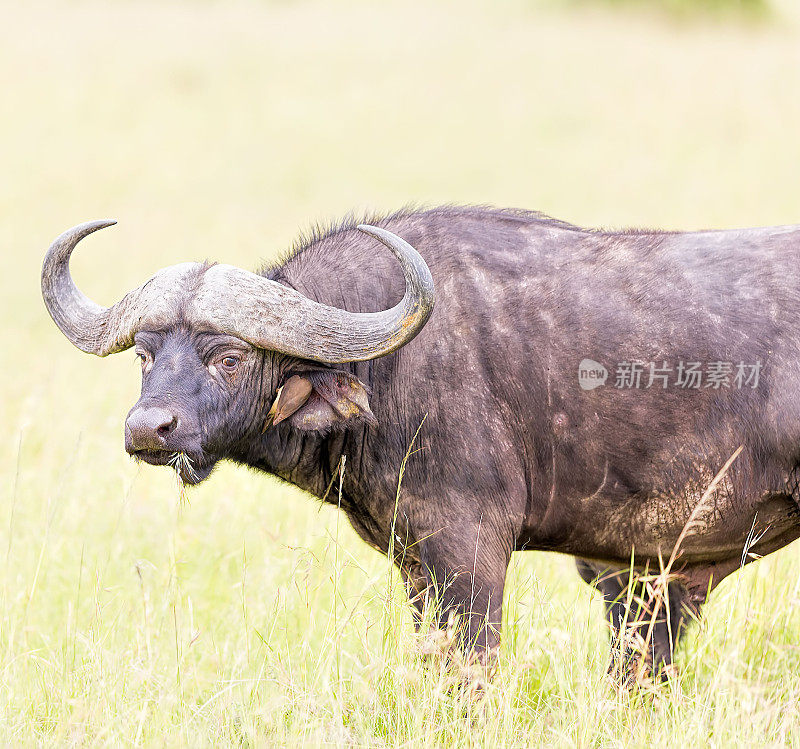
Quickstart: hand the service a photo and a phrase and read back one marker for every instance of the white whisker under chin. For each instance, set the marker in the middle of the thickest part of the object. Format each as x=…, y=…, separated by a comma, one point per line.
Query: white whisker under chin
x=182, y=464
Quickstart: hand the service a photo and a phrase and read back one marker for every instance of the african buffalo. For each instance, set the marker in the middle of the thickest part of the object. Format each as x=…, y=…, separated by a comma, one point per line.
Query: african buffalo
x=574, y=390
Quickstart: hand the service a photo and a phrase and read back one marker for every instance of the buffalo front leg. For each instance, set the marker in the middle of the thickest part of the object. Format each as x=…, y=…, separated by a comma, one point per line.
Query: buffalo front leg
x=463, y=566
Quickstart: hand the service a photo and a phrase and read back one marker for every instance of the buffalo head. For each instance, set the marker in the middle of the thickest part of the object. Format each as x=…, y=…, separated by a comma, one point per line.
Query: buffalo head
x=217, y=342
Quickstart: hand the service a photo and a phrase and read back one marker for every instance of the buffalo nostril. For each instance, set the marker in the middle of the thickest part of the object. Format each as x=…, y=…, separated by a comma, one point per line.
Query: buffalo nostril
x=168, y=427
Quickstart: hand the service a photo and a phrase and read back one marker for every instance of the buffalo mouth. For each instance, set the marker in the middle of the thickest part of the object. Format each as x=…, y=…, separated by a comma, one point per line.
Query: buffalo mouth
x=191, y=469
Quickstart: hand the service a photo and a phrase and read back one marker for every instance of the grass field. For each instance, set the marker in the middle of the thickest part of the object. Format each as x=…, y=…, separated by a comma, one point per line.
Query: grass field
x=246, y=613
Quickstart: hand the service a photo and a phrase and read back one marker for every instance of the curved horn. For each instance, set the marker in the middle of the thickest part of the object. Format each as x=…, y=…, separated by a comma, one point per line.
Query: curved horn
x=230, y=300
x=104, y=330
x=273, y=316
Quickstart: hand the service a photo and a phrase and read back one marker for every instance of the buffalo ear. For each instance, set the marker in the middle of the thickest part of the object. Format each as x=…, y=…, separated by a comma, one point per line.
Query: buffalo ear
x=329, y=399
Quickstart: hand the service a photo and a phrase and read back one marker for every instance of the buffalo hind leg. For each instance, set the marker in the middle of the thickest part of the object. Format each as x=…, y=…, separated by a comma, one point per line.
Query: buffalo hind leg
x=641, y=628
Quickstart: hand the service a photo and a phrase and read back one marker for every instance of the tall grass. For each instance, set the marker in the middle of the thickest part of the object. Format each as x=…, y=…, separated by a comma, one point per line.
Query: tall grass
x=247, y=613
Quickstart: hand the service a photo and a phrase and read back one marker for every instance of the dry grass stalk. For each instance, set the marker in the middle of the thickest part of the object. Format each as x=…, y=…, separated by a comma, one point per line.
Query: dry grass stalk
x=661, y=581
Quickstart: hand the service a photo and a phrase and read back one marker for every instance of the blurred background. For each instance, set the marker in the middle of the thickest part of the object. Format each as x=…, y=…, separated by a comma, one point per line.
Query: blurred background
x=219, y=130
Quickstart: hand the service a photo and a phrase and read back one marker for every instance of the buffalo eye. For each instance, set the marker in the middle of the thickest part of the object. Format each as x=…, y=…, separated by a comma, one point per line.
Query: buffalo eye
x=144, y=359
x=229, y=363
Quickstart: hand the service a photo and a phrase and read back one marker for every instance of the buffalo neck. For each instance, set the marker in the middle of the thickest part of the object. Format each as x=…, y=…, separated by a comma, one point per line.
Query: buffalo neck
x=311, y=460
x=308, y=460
